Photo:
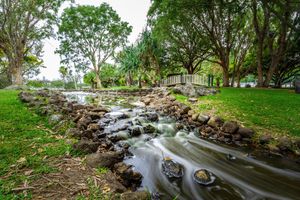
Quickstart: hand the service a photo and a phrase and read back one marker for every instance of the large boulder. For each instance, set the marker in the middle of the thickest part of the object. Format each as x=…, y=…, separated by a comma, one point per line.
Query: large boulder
x=106, y=159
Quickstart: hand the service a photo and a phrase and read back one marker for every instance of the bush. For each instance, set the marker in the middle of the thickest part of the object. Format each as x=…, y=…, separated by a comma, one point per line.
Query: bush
x=36, y=84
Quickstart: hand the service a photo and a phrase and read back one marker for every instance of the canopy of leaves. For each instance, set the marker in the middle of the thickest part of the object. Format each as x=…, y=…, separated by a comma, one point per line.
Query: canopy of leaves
x=91, y=34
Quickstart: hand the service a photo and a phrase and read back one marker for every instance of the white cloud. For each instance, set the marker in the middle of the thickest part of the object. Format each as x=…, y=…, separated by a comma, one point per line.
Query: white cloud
x=132, y=11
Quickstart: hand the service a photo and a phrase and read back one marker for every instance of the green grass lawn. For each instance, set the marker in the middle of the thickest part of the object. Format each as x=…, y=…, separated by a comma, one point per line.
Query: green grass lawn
x=26, y=145
x=266, y=110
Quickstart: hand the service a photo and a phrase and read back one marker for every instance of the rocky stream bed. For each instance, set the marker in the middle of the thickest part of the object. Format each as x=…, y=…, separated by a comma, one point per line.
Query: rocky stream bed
x=153, y=144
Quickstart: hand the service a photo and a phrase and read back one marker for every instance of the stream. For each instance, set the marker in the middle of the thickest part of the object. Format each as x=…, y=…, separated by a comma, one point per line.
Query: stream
x=242, y=177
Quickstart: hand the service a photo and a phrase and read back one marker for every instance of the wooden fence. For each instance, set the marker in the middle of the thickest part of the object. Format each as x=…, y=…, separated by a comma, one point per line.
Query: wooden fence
x=182, y=79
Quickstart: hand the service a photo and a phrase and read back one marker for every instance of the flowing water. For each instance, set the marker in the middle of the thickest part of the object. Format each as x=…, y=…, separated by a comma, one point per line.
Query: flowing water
x=245, y=177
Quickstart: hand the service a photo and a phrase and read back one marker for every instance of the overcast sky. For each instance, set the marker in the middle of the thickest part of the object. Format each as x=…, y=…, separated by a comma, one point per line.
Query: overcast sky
x=132, y=11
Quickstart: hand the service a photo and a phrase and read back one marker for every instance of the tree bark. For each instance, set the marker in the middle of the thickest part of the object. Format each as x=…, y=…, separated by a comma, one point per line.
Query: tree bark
x=15, y=64
x=238, y=79
x=225, y=78
x=98, y=81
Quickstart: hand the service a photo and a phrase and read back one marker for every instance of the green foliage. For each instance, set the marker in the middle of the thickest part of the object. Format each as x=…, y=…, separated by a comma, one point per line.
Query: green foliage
x=57, y=84
x=110, y=75
x=35, y=83
x=24, y=23
x=90, y=34
x=102, y=170
x=90, y=78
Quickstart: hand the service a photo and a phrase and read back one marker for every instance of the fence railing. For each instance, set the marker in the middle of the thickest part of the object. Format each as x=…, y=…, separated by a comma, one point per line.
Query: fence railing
x=182, y=79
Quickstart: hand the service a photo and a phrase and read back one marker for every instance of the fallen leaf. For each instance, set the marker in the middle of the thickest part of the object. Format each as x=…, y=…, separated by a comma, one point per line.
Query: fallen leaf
x=21, y=160
x=27, y=173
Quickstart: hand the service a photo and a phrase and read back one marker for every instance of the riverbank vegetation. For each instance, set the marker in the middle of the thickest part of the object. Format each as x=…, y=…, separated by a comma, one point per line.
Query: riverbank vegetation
x=266, y=110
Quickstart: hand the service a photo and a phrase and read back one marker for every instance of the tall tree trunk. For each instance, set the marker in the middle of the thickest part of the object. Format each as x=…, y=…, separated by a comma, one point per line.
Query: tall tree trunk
x=225, y=78
x=238, y=79
x=189, y=67
x=16, y=76
x=260, y=76
x=15, y=64
x=98, y=81
x=225, y=66
x=233, y=76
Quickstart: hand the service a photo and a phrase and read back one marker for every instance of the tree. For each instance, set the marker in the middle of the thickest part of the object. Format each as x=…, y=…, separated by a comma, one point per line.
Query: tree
x=179, y=38
x=22, y=24
x=63, y=72
x=273, y=23
x=212, y=24
x=92, y=34
x=130, y=62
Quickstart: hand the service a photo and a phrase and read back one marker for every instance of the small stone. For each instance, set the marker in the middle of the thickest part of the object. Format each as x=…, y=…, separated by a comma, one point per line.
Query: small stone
x=138, y=195
x=153, y=117
x=107, y=159
x=215, y=122
x=95, y=115
x=135, y=131
x=273, y=148
x=203, y=119
x=55, y=118
x=265, y=139
x=83, y=122
x=190, y=113
x=285, y=143
x=245, y=132
x=195, y=117
x=236, y=137
x=230, y=157
x=147, y=101
x=171, y=168
x=184, y=110
x=204, y=177
x=86, y=146
x=149, y=129
x=129, y=177
x=94, y=127
x=193, y=100
x=230, y=127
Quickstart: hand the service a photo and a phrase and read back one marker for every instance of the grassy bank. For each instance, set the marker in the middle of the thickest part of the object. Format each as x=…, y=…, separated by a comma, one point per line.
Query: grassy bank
x=27, y=145
x=266, y=110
